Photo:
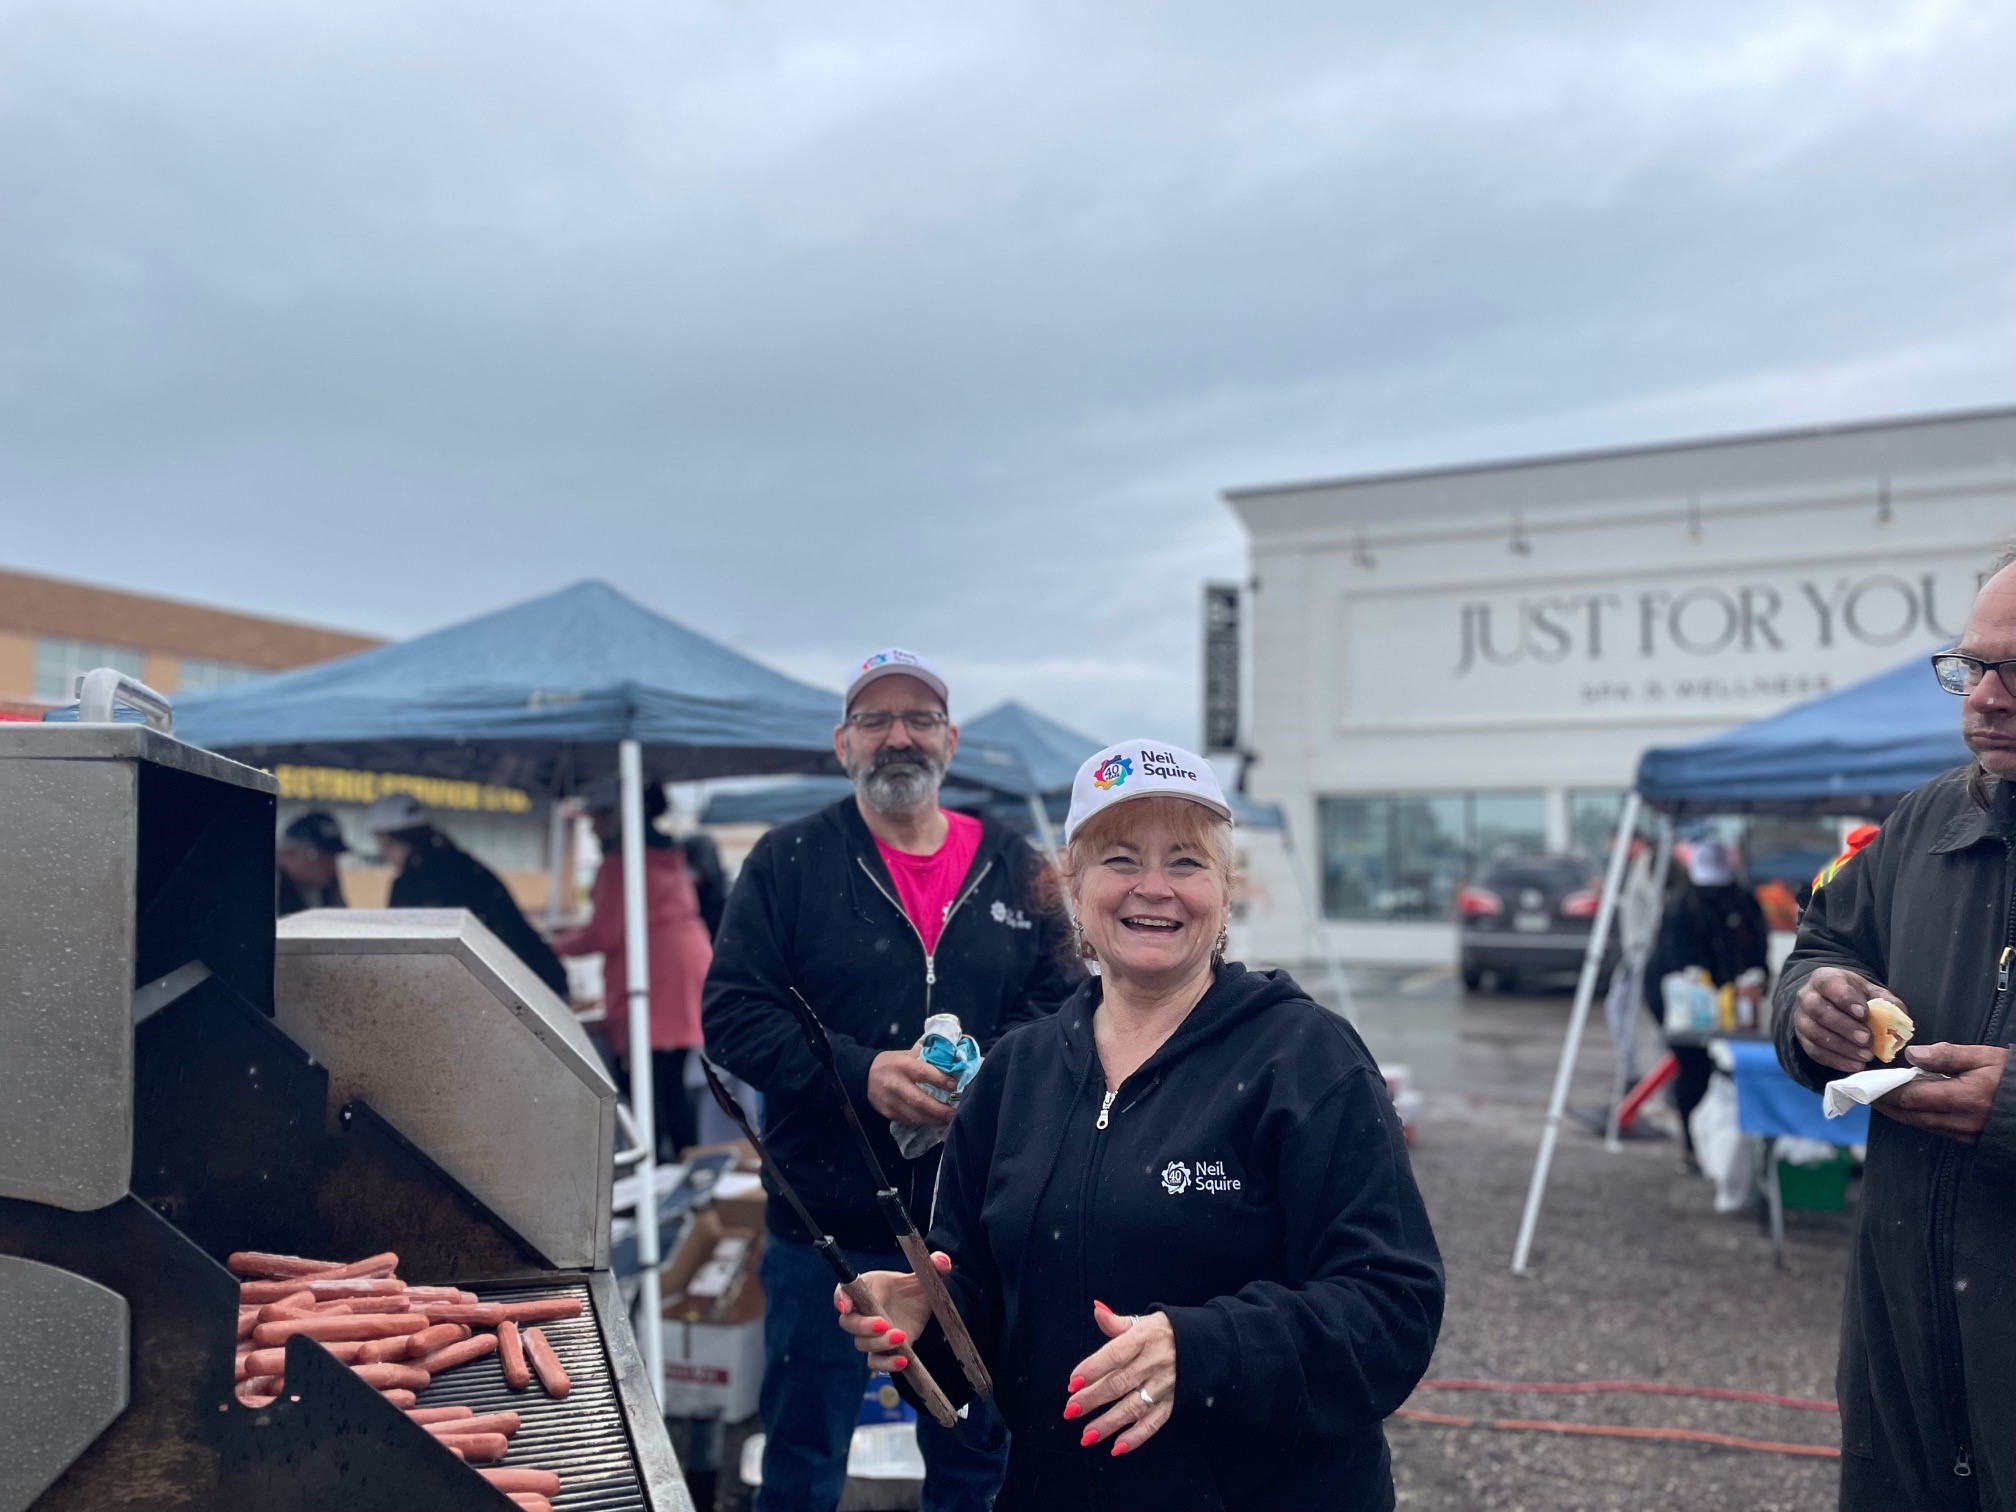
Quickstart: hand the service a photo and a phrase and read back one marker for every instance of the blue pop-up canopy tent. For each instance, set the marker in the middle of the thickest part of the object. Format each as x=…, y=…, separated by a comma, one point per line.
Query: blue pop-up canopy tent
x=1049, y=752
x=540, y=696
x=552, y=695
x=1855, y=751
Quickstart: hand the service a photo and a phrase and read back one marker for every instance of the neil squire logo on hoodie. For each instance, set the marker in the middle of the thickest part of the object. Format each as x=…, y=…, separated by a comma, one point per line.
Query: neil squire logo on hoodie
x=1014, y=918
x=1203, y=1175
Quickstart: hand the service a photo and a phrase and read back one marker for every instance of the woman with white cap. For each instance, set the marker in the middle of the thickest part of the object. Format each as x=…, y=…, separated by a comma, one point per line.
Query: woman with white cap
x=1183, y=1203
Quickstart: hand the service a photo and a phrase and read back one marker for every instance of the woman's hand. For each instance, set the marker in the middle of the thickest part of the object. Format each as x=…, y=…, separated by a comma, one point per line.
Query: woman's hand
x=900, y=1314
x=1133, y=1376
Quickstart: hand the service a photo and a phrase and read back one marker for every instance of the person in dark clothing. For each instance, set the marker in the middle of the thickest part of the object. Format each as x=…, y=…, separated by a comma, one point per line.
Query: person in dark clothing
x=1178, y=1217
x=710, y=882
x=1923, y=917
x=882, y=910
x=1716, y=924
x=307, y=864
x=432, y=871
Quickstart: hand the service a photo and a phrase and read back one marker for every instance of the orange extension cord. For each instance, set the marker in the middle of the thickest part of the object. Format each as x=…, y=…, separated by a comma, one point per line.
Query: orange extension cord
x=1615, y=1430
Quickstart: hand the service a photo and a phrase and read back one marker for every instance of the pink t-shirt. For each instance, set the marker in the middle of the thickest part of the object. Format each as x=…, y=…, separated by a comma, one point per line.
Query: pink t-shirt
x=927, y=885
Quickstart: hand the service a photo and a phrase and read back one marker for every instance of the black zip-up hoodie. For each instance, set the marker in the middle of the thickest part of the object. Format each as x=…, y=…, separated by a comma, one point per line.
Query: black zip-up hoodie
x=1251, y=1182
x=815, y=908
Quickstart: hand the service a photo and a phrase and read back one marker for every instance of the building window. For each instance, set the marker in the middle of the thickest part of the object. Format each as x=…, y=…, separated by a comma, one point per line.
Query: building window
x=1402, y=856
x=59, y=662
x=198, y=672
x=1592, y=822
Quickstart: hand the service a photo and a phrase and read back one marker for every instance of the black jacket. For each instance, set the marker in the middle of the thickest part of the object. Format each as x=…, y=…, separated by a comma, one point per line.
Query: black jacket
x=440, y=874
x=1253, y=1184
x=1927, y=1379
x=1719, y=929
x=292, y=900
x=815, y=908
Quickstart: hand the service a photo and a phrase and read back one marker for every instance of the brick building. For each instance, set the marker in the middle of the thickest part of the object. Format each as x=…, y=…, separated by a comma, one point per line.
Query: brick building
x=52, y=631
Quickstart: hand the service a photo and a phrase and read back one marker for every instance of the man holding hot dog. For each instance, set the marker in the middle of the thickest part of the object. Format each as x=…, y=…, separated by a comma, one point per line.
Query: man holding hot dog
x=880, y=910
x=1925, y=917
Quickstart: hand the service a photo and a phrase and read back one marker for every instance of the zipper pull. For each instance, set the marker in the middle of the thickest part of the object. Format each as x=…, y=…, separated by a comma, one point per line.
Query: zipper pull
x=1964, y=1465
x=2002, y=974
x=1103, y=1108
x=930, y=971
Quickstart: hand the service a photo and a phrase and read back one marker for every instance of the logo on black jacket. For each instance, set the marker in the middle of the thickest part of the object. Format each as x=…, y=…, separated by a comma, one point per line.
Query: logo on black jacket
x=1014, y=918
x=1202, y=1175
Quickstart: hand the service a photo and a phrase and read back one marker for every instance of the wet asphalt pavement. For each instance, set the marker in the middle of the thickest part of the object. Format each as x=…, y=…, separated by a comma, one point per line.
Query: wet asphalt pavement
x=1634, y=1277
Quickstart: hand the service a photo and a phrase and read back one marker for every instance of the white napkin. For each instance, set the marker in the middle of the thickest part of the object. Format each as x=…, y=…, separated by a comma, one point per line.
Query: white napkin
x=1864, y=1087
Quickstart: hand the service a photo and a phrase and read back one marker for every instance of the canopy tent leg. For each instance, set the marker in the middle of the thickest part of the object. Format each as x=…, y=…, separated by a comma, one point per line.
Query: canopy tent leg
x=637, y=962
x=1627, y=1048
x=1044, y=832
x=556, y=862
x=1585, y=992
x=1340, y=989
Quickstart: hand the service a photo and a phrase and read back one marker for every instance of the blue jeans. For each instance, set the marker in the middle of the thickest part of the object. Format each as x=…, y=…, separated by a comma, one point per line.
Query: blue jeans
x=813, y=1378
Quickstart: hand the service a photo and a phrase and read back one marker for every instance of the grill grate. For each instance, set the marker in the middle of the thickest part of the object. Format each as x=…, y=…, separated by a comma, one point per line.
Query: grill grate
x=580, y=1438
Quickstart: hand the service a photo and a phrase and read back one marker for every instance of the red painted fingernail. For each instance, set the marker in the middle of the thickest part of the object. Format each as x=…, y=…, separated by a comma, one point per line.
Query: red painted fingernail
x=896, y=1336
x=898, y=1363
x=1072, y=1410
x=1077, y=1383
x=1101, y=1305
x=1122, y=1447
x=1091, y=1437
x=880, y=1325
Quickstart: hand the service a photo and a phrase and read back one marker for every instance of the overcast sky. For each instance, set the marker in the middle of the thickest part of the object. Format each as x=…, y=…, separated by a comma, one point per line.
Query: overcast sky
x=819, y=327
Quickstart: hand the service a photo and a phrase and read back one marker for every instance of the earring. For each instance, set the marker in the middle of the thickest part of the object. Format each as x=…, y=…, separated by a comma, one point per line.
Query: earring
x=1224, y=944
x=1083, y=946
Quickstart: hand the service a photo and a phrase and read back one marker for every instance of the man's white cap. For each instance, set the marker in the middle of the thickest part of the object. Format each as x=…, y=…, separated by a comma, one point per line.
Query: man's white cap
x=395, y=812
x=1142, y=769
x=889, y=663
x=1709, y=864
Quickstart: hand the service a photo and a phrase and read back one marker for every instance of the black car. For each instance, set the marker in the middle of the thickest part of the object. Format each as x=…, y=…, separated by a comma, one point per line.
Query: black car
x=1525, y=917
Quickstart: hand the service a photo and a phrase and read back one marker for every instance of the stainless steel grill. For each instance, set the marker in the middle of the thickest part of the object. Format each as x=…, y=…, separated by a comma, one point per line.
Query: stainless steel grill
x=580, y=1437
x=180, y=1088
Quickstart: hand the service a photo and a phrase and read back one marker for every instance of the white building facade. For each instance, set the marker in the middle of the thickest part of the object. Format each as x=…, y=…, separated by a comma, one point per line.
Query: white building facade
x=1450, y=665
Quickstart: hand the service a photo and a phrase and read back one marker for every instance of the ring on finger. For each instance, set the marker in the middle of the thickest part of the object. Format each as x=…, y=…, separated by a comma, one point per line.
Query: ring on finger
x=1146, y=1400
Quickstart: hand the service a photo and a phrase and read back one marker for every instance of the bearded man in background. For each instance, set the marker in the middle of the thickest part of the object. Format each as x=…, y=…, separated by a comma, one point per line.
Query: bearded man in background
x=882, y=910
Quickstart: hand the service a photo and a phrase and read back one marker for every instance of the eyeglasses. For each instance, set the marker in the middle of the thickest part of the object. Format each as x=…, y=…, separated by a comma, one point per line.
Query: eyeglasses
x=916, y=721
x=1961, y=675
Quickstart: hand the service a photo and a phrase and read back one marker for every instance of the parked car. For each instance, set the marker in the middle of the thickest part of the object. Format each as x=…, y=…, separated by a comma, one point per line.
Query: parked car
x=1526, y=917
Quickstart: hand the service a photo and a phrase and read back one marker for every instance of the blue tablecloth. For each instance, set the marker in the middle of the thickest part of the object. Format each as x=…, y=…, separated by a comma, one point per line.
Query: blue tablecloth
x=1769, y=1102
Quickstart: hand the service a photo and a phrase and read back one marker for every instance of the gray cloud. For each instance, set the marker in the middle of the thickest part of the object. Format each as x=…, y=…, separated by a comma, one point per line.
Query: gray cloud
x=822, y=327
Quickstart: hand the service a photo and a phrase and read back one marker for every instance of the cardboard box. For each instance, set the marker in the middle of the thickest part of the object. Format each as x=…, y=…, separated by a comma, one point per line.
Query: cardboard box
x=712, y=1276
x=713, y=1369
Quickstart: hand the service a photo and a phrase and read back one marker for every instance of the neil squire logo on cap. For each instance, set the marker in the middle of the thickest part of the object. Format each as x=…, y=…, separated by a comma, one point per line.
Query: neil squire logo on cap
x=1156, y=763
x=1137, y=769
x=1113, y=771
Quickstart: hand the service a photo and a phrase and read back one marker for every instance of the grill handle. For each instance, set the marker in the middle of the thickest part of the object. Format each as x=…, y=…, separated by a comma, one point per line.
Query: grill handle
x=103, y=689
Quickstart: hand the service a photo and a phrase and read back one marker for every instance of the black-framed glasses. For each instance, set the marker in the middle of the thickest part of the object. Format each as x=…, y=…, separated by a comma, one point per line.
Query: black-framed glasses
x=1961, y=675
x=916, y=721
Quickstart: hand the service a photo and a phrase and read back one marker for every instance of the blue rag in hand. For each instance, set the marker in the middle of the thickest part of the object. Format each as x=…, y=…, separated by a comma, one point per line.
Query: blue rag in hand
x=959, y=1058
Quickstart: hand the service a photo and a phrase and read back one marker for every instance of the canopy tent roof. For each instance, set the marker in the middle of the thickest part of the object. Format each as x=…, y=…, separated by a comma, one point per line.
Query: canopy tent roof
x=538, y=696
x=1855, y=751
x=1050, y=752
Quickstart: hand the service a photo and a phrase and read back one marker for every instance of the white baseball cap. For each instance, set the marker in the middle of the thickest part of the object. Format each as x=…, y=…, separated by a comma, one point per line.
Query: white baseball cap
x=1142, y=769
x=888, y=663
x=1709, y=864
x=395, y=812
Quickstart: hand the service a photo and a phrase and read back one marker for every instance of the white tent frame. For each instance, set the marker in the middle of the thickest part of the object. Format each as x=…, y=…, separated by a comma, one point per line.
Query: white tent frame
x=1578, y=1019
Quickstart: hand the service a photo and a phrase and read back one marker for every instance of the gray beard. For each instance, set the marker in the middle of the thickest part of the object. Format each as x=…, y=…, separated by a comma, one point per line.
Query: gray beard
x=899, y=787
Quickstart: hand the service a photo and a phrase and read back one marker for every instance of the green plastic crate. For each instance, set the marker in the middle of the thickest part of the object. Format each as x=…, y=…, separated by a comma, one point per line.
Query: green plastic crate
x=1816, y=1188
